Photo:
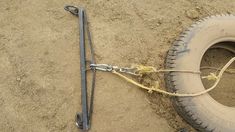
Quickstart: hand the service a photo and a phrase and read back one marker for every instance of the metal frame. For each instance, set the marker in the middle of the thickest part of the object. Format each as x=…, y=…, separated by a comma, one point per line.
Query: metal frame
x=83, y=120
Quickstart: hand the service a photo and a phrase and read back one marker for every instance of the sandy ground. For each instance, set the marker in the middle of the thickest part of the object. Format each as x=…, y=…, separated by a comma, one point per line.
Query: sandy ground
x=39, y=55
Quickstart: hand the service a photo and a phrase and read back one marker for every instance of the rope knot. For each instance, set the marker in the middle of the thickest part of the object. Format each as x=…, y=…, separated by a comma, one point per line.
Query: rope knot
x=140, y=69
x=210, y=77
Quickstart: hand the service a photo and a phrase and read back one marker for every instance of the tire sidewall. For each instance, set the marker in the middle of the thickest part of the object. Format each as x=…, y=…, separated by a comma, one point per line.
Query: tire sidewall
x=203, y=109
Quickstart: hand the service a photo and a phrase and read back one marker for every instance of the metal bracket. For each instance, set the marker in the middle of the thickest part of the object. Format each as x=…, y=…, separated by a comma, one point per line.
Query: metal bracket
x=83, y=120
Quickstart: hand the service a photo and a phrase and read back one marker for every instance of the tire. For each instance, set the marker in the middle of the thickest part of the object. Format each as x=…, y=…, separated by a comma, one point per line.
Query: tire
x=202, y=112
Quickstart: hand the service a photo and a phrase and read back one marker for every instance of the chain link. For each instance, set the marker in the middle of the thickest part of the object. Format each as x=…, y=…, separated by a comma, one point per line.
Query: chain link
x=101, y=67
x=110, y=68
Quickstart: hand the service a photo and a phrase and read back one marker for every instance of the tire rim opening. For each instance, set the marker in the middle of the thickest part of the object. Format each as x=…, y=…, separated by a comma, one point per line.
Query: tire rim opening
x=213, y=60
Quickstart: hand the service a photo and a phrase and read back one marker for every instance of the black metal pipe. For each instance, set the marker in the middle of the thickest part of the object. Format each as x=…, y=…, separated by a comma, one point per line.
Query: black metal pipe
x=85, y=121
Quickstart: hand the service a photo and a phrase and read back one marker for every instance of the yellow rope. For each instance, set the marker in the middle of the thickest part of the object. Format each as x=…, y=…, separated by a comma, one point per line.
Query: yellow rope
x=211, y=76
x=140, y=69
x=218, y=77
x=232, y=71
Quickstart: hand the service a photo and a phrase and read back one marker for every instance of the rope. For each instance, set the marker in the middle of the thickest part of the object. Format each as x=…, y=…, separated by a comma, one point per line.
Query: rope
x=140, y=69
x=231, y=71
x=217, y=78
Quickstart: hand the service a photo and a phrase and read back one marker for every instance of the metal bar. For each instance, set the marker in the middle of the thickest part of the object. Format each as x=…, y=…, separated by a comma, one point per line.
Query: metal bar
x=85, y=121
x=93, y=70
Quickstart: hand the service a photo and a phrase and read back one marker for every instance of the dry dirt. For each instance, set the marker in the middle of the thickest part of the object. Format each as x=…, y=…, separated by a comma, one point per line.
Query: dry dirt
x=39, y=55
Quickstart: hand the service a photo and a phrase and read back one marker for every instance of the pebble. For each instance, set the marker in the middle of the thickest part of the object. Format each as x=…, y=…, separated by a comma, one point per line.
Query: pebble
x=18, y=79
x=192, y=14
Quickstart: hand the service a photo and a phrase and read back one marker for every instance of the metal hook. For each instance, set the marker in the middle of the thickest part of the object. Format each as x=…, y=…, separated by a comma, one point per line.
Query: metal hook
x=72, y=9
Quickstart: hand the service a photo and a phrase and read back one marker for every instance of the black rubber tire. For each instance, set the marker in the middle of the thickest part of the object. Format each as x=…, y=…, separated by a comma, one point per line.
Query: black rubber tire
x=202, y=112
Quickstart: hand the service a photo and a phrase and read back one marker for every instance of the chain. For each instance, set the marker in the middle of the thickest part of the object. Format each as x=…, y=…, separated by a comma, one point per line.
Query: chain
x=111, y=68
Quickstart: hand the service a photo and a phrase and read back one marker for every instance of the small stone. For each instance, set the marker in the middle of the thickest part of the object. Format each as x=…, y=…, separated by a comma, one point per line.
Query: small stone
x=198, y=8
x=18, y=79
x=192, y=14
x=228, y=12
